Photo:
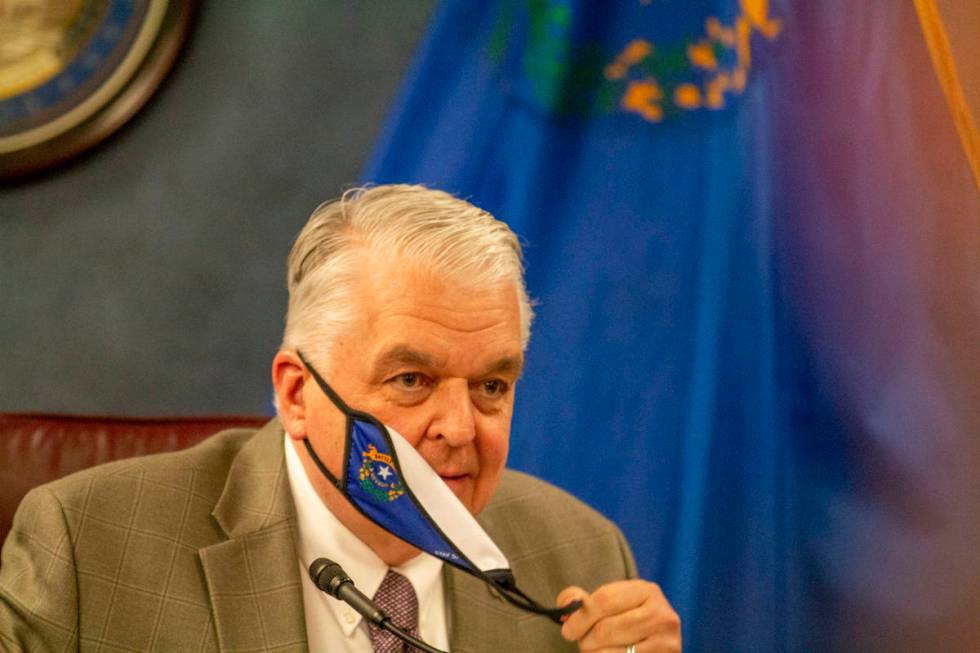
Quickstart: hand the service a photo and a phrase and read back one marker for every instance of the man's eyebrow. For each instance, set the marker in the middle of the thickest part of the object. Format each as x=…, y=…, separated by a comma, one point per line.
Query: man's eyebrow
x=506, y=365
x=402, y=355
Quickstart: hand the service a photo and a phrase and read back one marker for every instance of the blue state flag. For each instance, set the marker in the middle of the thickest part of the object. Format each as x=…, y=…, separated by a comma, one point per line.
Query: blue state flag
x=754, y=232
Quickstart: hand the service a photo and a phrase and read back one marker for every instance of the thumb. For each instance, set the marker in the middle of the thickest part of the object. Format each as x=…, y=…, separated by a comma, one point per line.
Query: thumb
x=569, y=594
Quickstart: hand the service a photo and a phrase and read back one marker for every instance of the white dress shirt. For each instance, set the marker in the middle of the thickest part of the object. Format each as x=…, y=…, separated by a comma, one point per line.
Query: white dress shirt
x=331, y=624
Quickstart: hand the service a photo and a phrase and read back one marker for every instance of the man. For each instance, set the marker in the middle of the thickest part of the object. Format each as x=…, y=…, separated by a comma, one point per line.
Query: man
x=411, y=304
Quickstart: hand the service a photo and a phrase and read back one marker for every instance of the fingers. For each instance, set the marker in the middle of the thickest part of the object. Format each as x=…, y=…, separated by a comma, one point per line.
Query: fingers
x=619, y=614
x=611, y=599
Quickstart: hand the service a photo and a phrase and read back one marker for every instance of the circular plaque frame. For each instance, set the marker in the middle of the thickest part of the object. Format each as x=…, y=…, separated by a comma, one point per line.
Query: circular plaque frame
x=106, y=82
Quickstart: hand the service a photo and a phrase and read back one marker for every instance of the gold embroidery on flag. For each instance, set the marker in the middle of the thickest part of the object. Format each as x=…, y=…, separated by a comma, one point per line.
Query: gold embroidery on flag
x=645, y=95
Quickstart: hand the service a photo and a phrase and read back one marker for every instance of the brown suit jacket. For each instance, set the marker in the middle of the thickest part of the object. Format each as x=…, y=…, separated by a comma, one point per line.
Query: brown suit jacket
x=194, y=551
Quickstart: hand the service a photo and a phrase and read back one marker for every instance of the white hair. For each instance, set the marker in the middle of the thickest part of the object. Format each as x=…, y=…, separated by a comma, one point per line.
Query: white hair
x=428, y=227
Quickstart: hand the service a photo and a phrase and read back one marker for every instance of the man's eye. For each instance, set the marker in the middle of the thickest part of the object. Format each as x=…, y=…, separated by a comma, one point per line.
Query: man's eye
x=493, y=388
x=409, y=380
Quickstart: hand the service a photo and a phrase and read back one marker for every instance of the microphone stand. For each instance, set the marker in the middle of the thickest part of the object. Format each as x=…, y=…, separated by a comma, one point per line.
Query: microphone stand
x=330, y=577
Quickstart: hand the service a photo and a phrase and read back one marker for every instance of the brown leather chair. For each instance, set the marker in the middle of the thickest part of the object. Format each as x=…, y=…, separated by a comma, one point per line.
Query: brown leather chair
x=37, y=448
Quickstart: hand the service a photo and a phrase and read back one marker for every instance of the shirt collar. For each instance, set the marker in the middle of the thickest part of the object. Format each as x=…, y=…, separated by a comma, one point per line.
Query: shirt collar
x=322, y=535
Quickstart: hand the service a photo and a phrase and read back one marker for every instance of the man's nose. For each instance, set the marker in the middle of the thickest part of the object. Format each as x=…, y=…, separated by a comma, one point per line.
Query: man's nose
x=454, y=418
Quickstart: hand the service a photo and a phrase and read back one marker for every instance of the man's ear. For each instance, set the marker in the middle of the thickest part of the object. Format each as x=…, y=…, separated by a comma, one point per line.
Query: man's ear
x=288, y=378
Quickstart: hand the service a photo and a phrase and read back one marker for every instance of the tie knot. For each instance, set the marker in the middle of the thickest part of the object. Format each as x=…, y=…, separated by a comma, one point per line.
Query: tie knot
x=396, y=597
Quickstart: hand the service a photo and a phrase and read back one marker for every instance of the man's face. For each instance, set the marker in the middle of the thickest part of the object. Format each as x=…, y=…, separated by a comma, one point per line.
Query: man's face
x=438, y=362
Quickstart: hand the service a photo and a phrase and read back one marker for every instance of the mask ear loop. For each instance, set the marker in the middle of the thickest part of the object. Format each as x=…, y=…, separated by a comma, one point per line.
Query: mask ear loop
x=507, y=587
x=348, y=425
x=327, y=390
x=323, y=468
x=501, y=580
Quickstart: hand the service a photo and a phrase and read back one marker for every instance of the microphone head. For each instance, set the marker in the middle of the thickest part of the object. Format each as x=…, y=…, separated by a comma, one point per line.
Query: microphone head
x=328, y=576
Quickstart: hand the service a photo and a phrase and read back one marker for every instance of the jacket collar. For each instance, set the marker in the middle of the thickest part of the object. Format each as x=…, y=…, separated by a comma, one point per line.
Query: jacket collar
x=253, y=577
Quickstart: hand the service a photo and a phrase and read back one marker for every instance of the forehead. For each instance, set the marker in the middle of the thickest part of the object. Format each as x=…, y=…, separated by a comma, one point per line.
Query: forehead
x=407, y=310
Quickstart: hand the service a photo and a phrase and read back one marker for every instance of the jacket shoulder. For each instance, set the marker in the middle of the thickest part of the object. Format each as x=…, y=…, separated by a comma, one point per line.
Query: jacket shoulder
x=160, y=494
x=135, y=524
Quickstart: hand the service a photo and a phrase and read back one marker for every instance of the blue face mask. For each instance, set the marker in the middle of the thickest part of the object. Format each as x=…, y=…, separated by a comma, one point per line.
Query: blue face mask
x=389, y=482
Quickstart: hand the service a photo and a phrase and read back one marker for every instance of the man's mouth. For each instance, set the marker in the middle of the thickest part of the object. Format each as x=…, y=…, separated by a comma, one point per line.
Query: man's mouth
x=456, y=482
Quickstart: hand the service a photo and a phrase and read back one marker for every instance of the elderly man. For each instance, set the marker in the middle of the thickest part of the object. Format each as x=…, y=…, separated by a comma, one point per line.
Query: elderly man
x=411, y=304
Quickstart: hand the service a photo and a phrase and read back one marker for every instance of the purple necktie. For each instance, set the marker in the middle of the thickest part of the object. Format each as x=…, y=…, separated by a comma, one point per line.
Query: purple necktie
x=396, y=597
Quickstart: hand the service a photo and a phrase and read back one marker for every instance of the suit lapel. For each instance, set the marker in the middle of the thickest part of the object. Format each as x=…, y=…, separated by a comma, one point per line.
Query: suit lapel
x=252, y=577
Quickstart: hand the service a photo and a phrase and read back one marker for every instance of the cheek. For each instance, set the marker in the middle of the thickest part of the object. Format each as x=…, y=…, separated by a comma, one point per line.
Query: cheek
x=492, y=444
x=327, y=433
x=410, y=423
x=412, y=430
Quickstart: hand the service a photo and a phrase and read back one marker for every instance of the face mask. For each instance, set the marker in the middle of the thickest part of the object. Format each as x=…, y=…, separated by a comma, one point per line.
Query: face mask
x=389, y=482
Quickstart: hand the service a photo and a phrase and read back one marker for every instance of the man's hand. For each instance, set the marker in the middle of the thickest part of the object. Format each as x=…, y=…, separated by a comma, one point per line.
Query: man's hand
x=620, y=614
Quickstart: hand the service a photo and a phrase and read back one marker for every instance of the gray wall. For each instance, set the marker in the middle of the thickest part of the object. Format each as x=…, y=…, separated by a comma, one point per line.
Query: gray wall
x=148, y=277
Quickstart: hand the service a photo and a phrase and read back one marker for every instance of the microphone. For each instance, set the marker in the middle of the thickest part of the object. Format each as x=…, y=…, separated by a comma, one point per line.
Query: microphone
x=331, y=578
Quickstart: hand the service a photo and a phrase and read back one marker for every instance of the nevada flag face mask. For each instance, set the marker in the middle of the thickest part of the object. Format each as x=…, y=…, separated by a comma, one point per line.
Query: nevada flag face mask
x=389, y=482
